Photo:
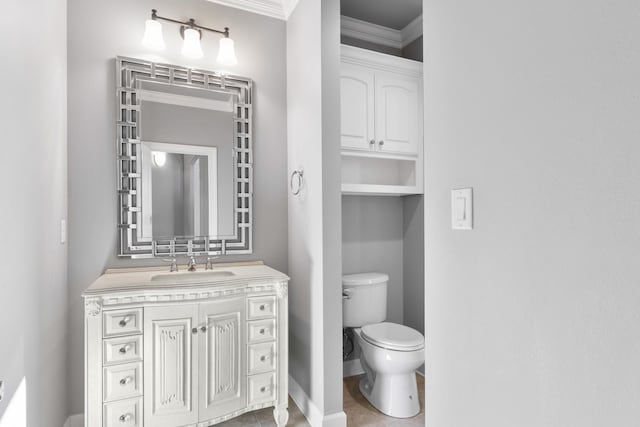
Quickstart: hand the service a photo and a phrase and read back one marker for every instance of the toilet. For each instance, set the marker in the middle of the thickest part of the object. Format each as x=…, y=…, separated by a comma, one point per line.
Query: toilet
x=390, y=353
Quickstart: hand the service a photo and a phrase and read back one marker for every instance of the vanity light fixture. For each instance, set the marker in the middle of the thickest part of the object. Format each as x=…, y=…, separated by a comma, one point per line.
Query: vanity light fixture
x=191, y=33
x=159, y=158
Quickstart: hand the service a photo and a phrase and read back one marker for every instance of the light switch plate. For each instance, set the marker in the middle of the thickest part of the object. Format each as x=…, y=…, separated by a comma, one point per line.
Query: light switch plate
x=462, y=209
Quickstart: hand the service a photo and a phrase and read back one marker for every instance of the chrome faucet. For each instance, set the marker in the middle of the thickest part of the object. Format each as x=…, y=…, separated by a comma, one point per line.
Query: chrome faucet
x=191, y=265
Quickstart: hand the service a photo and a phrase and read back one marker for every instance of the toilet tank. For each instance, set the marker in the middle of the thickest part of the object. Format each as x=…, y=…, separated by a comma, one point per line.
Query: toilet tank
x=364, y=299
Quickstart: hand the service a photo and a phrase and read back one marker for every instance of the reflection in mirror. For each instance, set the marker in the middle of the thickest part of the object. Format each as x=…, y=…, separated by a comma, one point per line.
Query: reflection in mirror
x=185, y=161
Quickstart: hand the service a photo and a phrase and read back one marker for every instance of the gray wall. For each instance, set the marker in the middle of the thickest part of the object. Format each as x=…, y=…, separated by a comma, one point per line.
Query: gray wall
x=313, y=59
x=33, y=173
x=413, y=50
x=98, y=31
x=372, y=241
x=413, y=261
x=532, y=317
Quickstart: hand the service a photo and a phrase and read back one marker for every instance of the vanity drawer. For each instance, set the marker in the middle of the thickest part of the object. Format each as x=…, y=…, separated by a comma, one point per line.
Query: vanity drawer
x=125, y=413
x=261, y=388
x=122, y=381
x=122, y=322
x=261, y=330
x=261, y=307
x=261, y=358
x=122, y=349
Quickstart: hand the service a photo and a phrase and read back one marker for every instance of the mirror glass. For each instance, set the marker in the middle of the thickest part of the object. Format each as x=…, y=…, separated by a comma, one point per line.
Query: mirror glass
x=185, y=161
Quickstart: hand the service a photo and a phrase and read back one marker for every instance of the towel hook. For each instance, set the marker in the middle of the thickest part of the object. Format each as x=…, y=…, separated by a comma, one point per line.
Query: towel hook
x=300, y=175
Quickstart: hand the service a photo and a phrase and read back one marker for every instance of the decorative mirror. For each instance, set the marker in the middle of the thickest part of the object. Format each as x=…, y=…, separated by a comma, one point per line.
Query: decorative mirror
x=184, y=161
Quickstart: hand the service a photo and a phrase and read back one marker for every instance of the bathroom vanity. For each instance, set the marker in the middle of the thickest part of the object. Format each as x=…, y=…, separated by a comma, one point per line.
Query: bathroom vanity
x=167, y=349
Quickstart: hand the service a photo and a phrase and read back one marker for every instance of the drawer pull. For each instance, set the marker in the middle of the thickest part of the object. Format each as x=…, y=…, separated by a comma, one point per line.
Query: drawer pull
x=263, y=389
x=125, y=417
x=262, y=331
x=124, y=321
x=126, y=380
x=125, y=348
x=262, y=307
x=263, y=358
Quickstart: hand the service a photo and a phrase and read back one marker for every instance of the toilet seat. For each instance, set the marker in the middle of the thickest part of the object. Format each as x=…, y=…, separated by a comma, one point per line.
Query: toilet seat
x=393, y=336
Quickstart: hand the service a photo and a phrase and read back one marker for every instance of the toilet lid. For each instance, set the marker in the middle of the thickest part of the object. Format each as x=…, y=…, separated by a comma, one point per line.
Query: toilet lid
x=393, y=336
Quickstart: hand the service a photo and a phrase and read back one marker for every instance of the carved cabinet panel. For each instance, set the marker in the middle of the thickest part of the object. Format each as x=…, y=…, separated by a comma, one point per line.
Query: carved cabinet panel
x=171, y=369
x=221, y=359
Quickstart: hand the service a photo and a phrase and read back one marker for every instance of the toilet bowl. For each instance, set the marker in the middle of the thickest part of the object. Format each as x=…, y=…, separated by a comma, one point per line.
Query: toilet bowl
x=390, y=353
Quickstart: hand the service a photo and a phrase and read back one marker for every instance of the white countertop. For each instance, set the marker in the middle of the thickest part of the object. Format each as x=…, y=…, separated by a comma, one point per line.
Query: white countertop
x=159, y=278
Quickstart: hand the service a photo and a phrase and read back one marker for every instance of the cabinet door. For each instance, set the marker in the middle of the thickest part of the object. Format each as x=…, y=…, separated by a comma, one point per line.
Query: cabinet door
x=397, y=111
x=357, y=107
x=222, y=355
x=170, y=366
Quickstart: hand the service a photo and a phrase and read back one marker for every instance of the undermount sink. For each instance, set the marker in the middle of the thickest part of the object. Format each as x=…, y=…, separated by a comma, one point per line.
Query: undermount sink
x=191, y=277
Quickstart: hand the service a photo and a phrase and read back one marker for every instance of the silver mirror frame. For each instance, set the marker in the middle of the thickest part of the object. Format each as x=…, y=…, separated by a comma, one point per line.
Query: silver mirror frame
x=131, y=71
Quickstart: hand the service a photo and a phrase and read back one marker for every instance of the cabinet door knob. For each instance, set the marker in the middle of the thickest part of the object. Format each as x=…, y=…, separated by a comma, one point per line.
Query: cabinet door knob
x=125, y=417
x=203, y=329
x=263, y=358
x=262, y=307
x=125, y=348
x=262, y=331
x=194, y=330
x=381, y=143
x=263, y=389
x=125, y=380
x=124, y=322
x=372, y=142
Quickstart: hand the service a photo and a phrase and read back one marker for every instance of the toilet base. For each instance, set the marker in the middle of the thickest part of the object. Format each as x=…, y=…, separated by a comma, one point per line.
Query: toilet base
x=380, y=393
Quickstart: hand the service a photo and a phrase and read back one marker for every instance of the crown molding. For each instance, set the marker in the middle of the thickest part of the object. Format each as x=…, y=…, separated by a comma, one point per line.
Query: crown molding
x=369, y=32
x=272, y=8
x=288, y=6
x=379, y=34
x=412, y=31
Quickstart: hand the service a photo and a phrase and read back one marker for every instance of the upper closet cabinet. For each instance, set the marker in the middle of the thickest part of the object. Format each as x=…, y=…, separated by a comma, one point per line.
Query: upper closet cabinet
x=381, y=123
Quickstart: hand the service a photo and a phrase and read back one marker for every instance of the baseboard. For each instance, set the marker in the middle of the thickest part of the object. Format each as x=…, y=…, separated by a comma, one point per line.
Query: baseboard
x=351, y=368
x=76, y=420
x=311, y=412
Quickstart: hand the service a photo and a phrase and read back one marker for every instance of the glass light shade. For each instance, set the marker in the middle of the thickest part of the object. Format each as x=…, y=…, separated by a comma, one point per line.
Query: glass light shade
x=191, y=47
x=159, y=158
x=153, y=35
x=227, y=53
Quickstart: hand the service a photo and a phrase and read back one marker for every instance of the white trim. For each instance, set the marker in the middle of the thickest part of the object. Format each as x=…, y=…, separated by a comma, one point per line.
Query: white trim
x=186, y=100
x=288, y=7
x=379, y=34
x=412, y=31
x=76, y=420
x=369, y=32
x=314, y=416
x=351, y=368
x=380, y=61
x=272, y=8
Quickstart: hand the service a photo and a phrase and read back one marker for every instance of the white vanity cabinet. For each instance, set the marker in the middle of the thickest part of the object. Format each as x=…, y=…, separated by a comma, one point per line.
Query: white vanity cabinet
x=187, y=349
x=381, y=123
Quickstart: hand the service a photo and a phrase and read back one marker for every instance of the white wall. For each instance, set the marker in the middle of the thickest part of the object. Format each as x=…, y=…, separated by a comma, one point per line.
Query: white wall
x=413, y=261
x=533, y=317
x=314, y=215
x=100, y=30
x=33, y=173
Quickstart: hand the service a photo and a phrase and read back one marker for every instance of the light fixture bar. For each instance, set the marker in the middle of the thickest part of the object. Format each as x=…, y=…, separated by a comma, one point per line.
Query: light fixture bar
x=191, y=23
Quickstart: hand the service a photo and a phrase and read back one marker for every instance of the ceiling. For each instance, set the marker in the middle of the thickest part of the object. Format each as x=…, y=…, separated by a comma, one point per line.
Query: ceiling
x=396, y=14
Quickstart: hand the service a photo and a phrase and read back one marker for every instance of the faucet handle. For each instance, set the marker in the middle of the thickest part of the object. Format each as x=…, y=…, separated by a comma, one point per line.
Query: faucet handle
x=209, y=264
x=174, y=264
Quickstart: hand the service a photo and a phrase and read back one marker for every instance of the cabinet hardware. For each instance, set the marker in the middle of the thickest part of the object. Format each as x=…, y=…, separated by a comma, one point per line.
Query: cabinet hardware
x=125, y=380
x=194, y=330
x=203, y=329
x=125, y=348
x=263, y=358
x=262, y=307
x=381, y=143
x=262, y=331
x=125, y=417
x=372, y=142
x=263, y=389
x=124, y=321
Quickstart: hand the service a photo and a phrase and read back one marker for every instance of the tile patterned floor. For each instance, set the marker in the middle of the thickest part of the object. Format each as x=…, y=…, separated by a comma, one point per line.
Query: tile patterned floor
x=359, y=412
